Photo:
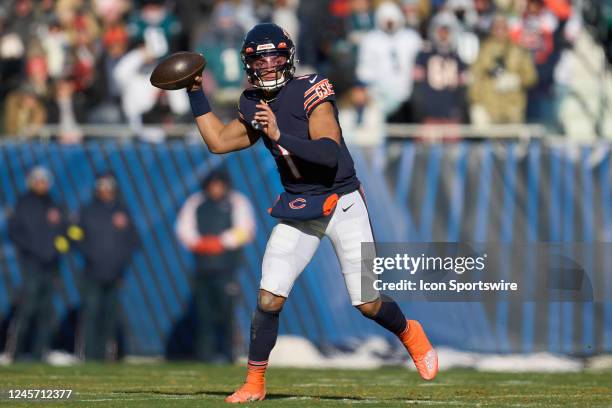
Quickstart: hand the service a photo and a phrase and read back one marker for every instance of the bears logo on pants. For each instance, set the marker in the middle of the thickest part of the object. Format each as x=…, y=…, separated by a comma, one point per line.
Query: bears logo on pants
x=298, y=204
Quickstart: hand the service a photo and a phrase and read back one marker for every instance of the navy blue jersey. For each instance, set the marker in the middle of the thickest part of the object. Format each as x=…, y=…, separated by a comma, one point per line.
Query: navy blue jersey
x=292, y=106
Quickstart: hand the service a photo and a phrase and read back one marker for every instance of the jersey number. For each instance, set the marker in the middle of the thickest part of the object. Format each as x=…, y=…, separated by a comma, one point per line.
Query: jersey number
x=324, y=90
x=442, y=73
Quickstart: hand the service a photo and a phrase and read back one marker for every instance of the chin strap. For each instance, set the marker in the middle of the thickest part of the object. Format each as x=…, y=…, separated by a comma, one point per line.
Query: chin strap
x=272, y=85
x=286, y=75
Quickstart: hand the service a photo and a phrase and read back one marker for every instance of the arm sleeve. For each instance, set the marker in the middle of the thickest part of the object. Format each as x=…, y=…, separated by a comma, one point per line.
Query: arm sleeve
x=243, y=223
x=186, y=224
x=322, y=151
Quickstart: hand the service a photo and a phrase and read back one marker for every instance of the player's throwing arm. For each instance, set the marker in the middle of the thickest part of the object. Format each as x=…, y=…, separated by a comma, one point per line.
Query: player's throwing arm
x=184, y=70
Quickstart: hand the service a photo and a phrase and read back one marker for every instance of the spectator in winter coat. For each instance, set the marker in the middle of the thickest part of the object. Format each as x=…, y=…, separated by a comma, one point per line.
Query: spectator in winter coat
x=107, y=238
x=535, y=31
x=500, y=78
x=214, y=224
x=386, y=58
x=37, y=228
x=440, y=76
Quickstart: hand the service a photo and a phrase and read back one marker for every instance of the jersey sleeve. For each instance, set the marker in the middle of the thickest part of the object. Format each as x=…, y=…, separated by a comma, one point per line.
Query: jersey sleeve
x=240, y=107
x=246, y=109
x=318, y=89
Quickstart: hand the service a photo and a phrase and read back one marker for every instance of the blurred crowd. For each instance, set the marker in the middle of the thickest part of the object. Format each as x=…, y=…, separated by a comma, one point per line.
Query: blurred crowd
x=75, y=62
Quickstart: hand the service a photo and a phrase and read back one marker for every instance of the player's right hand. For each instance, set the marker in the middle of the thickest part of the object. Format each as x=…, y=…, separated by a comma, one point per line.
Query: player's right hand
x=267, y=119
x=197, y=83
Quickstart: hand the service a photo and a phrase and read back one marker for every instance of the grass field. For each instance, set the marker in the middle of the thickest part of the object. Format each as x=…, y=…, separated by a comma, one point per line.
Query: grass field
x=197, y=385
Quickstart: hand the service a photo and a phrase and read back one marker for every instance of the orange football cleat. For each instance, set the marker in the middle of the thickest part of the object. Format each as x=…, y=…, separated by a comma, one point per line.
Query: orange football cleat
x=254, y=388
x=423, y=354
x=247, y=393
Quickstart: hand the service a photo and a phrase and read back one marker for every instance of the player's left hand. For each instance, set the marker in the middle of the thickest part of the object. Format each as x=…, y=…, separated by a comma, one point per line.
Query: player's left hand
x=267, y=119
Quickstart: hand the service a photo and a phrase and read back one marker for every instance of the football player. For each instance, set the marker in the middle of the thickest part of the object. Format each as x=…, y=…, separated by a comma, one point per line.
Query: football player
x=297, y=119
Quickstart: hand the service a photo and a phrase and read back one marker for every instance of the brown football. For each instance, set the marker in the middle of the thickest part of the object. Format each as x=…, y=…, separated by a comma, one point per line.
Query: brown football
x=178, y=70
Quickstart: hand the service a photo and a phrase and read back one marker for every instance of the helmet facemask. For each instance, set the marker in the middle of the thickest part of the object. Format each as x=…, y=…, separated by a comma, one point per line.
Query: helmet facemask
x=283, y=71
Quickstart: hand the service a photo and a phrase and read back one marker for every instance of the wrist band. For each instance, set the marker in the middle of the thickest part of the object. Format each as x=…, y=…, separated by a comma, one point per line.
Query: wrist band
x=199, y=103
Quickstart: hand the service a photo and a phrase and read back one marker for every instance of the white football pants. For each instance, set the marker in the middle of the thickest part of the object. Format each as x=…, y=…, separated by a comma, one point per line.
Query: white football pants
x=292, y=245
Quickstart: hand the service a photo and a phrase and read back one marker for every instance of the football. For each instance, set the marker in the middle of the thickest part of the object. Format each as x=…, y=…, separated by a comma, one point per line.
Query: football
x=178, y=70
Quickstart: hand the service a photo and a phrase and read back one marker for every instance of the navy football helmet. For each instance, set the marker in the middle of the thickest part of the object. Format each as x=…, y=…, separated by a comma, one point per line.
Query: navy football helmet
x=268, y=49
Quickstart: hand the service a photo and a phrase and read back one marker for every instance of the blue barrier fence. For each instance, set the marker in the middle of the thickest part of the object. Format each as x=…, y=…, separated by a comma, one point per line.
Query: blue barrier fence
x=476, y=192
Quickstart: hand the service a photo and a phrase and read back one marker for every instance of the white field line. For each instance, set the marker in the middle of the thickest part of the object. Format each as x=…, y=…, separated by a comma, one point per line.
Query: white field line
x=541, y=396
x=161, y=397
